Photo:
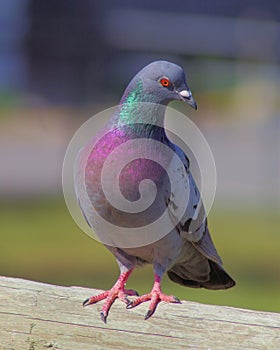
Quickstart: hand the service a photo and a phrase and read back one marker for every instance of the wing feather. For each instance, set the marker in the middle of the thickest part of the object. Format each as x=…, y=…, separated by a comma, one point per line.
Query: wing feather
x=192, y=222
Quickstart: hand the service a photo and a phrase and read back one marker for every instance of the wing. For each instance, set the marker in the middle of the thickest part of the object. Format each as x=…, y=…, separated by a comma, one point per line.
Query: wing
x=192, y=222
x=199, y=264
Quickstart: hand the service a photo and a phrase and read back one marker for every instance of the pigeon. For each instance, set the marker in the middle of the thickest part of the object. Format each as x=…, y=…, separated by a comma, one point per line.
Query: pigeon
x=181, y=245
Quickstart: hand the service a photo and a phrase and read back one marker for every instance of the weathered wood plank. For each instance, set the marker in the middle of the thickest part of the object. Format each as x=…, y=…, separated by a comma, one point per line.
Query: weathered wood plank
x=37, y=316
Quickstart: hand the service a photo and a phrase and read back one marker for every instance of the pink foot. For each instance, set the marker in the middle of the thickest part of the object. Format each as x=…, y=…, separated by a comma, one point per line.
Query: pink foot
x=156, y=296
x=117, y=291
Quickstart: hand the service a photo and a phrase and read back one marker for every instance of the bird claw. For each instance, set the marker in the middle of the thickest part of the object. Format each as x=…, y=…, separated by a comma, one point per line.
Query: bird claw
x=96, y=298
x=126, y=301
x=110, y=296
x=128, y=306
x=118, y=291
x=176, y=300
x=103, y=316
x=149, y=314
x=155, y=296
x=86, y=302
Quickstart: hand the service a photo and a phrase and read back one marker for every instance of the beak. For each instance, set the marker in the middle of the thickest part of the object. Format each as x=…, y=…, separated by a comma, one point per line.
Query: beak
x=186, y=96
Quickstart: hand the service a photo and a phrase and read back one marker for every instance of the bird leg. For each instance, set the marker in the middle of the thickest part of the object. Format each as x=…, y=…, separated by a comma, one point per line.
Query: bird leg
x=155, y=296
x=117, y=291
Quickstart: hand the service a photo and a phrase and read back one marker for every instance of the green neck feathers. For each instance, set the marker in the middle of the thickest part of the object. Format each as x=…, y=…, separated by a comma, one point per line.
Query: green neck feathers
x=137, y=107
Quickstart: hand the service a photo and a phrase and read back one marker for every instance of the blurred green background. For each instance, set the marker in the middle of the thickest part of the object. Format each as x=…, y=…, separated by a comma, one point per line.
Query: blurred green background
x=60, y=62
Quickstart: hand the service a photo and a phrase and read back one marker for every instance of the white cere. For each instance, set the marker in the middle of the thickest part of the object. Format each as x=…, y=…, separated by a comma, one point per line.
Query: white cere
x=185, y=93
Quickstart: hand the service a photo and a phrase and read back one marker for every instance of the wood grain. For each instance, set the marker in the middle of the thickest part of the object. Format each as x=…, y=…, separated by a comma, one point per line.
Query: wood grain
x=37, y=316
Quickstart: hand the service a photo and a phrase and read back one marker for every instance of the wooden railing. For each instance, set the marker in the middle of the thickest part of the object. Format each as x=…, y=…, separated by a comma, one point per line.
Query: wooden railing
x=37, y=316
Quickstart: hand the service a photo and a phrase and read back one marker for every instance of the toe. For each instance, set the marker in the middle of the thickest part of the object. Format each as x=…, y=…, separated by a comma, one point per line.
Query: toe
x=96, y=298
x=169, y=298
x=139, y=300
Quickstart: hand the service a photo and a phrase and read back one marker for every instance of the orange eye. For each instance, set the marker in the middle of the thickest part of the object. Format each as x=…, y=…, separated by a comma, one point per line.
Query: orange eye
x=165, y=82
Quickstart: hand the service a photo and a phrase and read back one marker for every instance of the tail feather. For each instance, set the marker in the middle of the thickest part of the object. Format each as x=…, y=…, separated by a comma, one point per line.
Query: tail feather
x=201, y=266
x=218, y=278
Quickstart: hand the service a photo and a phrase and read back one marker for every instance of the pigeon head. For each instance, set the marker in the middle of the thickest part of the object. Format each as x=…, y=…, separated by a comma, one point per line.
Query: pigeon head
x=160, y=82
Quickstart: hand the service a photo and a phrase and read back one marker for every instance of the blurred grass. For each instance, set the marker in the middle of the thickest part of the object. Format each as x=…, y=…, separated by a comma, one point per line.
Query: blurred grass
x=40, y=241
